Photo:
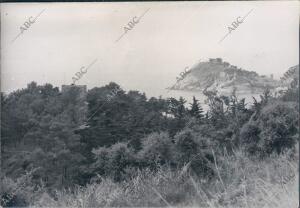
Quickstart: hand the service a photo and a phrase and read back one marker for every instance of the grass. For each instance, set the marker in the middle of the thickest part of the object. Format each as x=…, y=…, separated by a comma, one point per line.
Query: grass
x=238, y=182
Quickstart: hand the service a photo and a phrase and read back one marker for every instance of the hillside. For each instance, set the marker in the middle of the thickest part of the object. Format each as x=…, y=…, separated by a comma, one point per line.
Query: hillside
x=223, y=77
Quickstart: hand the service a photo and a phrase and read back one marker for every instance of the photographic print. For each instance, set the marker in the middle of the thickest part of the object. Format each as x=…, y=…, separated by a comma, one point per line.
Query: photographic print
x=150, y=104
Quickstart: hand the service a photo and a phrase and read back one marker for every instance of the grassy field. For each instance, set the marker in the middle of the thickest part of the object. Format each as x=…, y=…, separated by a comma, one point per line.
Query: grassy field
x=238, y=182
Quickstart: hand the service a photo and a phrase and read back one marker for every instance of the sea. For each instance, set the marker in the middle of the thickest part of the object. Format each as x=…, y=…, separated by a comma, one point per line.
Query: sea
x=188, y=96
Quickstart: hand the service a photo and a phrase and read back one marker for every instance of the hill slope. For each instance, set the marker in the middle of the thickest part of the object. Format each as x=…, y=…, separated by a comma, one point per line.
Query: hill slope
x=223, y=77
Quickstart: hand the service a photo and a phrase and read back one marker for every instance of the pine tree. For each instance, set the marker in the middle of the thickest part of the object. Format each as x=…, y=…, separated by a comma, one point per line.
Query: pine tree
x=181, y=108
x=196, y=110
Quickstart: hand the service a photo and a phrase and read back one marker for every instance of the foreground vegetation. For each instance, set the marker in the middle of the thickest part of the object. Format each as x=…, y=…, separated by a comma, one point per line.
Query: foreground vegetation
x=132, y=151
x=240, y=182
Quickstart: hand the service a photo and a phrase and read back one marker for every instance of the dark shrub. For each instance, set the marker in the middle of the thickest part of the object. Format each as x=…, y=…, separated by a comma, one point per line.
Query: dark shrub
x=274, y=130
x=157, y=149
x=113, y=161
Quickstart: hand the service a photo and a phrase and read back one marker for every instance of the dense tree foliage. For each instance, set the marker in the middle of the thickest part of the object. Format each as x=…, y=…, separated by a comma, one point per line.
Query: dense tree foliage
x=69, y=139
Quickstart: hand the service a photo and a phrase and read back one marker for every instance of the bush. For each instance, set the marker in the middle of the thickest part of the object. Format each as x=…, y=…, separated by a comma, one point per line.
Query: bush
x=186, y=145
x=157, y=149
x=112, y=161
x=274, y=130
x=194, y=152
x=250, y=138
x=279, y=122
x=20, y=192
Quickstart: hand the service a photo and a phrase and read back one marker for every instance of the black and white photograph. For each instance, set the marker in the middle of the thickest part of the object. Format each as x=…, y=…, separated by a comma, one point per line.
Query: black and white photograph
x=150, y=104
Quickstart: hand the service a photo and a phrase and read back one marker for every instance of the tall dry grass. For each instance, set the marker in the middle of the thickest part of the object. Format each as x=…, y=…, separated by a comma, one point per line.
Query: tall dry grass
x=238, y=182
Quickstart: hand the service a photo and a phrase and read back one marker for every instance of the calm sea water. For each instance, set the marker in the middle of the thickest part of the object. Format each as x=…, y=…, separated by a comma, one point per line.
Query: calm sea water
x=188, y=96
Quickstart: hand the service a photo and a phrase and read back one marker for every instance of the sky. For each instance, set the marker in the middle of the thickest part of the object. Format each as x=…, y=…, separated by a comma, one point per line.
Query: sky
x=169, y=37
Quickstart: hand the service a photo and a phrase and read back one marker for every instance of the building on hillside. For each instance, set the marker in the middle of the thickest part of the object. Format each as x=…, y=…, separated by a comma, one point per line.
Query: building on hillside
x=215, y=61
x=219, y=60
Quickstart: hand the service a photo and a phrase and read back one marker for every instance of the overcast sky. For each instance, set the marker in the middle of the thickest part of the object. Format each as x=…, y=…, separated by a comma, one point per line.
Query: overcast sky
x=168, y=38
